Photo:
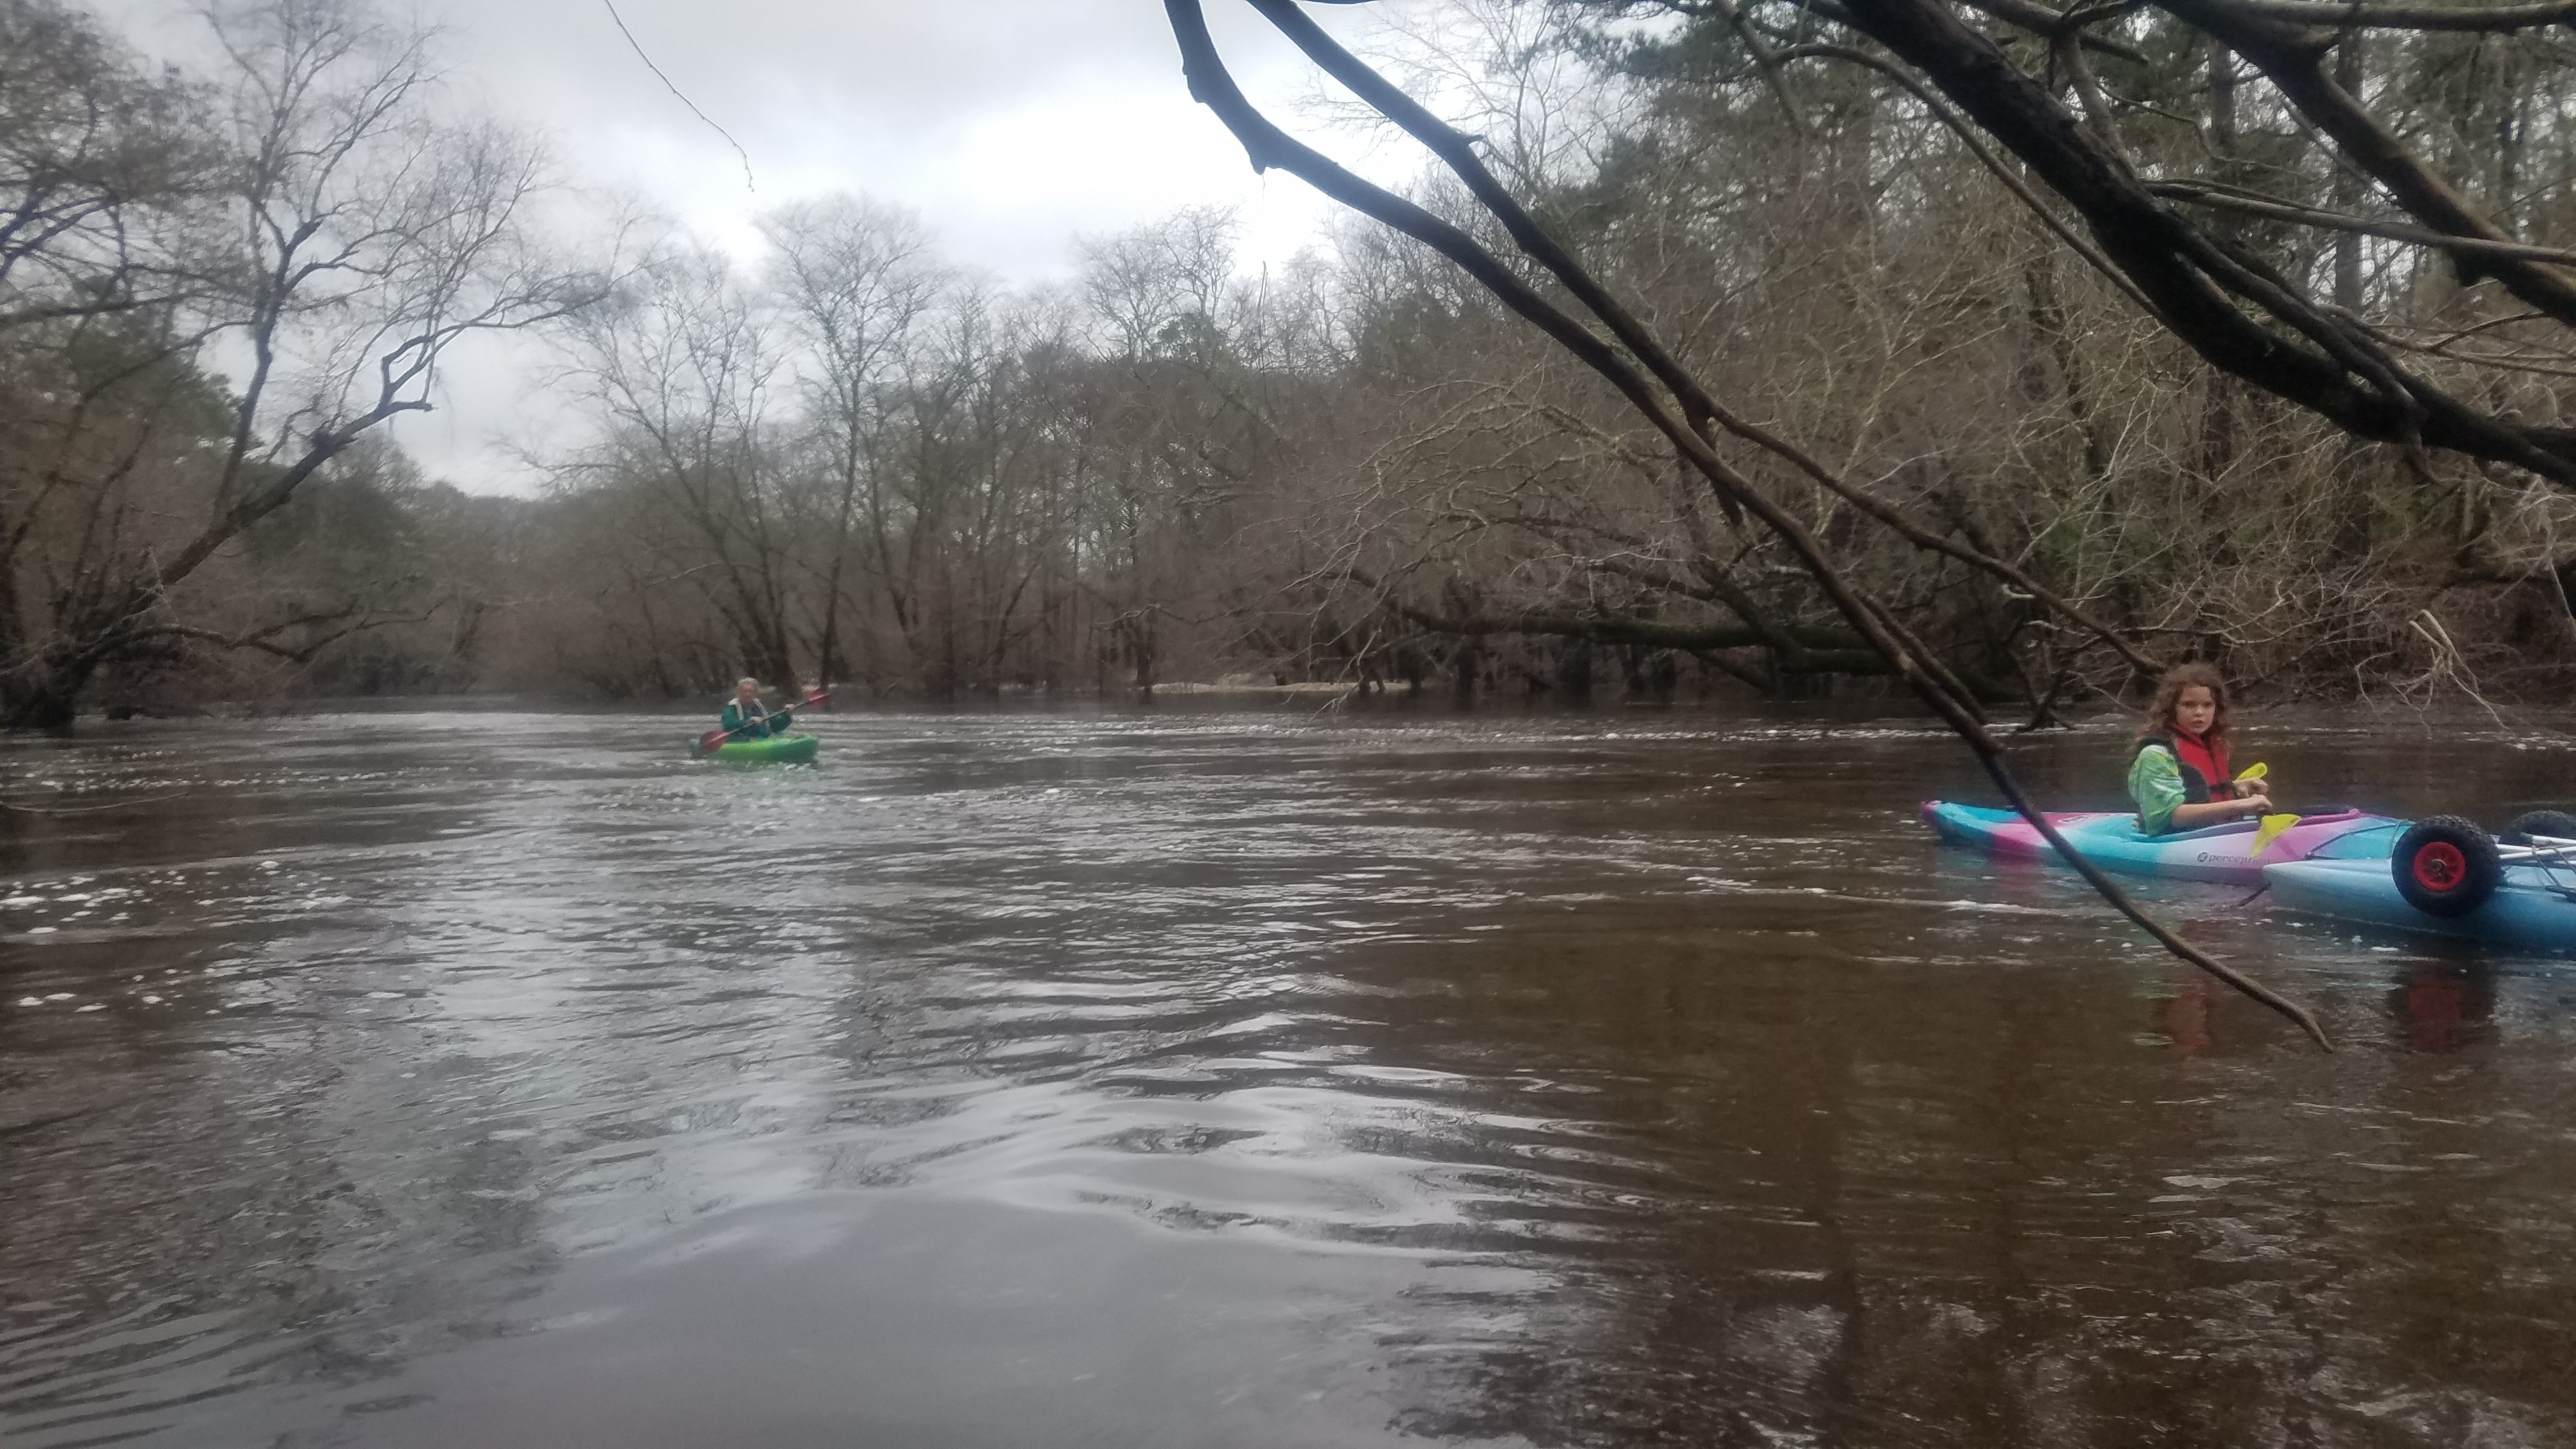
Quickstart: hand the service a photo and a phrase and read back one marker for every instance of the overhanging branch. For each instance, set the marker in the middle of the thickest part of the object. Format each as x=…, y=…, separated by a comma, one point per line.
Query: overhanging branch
x=1212, y=85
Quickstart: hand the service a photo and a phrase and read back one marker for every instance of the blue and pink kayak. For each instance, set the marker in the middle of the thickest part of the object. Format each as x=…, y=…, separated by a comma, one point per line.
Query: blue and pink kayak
x=2334, y=865
x=2111, y=840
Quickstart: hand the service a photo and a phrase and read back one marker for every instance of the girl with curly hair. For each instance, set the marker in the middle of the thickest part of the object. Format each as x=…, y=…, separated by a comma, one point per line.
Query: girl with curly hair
x=2178, y=772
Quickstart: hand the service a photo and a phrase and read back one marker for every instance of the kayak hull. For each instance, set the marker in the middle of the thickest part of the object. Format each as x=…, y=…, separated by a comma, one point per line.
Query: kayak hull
x=2525, y=911
x=776, y=750
x=2110, y=839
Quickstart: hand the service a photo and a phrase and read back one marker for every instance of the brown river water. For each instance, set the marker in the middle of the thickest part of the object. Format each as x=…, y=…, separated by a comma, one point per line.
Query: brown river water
x=1204, y=1078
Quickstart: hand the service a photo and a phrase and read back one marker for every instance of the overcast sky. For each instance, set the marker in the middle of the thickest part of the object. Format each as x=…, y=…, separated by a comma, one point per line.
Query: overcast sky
x=1010, y=125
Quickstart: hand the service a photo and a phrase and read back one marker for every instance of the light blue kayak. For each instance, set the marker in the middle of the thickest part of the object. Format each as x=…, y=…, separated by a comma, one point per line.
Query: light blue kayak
x=2533, y=908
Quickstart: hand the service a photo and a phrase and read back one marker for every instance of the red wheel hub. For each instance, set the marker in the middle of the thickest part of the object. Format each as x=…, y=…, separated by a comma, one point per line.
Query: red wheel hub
x=2440, y=867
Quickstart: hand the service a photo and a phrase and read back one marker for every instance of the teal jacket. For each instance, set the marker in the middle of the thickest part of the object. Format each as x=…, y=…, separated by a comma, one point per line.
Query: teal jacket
x=755, y=723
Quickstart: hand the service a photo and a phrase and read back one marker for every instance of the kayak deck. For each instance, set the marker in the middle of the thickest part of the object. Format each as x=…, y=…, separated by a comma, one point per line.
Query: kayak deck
x=2527, y=910
x=2111, y=840
x=776, y=750
x=2531, y=908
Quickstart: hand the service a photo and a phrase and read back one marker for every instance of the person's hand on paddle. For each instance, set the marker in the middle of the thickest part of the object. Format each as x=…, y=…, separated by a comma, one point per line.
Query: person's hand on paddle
x=2251, y=800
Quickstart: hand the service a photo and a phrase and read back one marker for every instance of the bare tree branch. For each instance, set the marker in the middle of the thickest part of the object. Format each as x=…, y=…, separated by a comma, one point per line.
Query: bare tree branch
x=1213, y=86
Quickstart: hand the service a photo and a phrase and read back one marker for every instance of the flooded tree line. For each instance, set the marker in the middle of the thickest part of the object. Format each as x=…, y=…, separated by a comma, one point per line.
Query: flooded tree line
x=847, y=459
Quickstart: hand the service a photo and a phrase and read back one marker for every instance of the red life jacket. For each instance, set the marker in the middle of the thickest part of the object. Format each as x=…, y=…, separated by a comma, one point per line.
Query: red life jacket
x=2204, y=768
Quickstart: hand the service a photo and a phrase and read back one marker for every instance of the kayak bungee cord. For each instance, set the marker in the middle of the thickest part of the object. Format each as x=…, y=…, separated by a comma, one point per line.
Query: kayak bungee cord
x=1267, y=145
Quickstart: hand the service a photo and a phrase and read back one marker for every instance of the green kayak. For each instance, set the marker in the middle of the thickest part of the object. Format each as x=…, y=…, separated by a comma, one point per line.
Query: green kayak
x=776, y=750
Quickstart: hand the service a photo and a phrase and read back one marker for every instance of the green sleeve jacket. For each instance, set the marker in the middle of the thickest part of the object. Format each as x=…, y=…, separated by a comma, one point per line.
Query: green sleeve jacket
x=2155, y=783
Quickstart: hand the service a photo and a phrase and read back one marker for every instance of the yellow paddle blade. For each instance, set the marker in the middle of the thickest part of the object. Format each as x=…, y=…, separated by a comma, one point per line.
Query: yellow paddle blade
x=2271, y=830
x=2254, y=771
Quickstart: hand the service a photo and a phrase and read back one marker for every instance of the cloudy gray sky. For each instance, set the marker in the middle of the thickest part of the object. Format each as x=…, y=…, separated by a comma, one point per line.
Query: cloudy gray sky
x=1010, y=125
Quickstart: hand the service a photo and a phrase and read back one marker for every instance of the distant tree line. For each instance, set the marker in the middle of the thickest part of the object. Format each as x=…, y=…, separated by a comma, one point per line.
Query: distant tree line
x=848, y=460
x=854, y=463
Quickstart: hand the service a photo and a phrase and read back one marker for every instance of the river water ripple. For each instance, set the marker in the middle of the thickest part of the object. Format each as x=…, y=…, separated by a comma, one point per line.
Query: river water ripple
x=1235, y=1078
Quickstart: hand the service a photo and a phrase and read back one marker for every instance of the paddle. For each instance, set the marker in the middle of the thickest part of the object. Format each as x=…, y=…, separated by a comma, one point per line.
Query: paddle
x=2271, y=830
x=707, y=742
x=2272, y=826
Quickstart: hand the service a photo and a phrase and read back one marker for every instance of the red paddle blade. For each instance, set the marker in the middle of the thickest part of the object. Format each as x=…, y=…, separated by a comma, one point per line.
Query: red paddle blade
x=710, y=740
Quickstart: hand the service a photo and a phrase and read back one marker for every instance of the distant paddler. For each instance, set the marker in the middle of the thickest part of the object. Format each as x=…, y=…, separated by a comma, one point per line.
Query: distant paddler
x=746, y=718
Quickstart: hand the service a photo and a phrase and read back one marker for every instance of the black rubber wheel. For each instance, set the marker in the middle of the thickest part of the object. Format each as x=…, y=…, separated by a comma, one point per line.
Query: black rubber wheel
x=2556, y=824
x=2446, y=866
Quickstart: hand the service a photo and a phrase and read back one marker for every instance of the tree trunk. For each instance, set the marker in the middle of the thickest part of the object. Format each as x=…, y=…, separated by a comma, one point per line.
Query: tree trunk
x=2349, y=191
x=41, y=696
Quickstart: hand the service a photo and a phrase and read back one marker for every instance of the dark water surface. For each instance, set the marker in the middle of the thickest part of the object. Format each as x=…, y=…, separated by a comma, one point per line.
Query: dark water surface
x=1236, y=1079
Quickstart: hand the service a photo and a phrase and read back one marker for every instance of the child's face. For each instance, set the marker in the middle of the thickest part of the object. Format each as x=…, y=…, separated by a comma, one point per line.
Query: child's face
x=2196, y=710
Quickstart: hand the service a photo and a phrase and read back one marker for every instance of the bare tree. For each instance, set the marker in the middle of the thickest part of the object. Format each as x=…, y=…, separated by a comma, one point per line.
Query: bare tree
x=855, y=280
x=2032, y=82
x=367, y=238
x=684, y=364
x=106, y=173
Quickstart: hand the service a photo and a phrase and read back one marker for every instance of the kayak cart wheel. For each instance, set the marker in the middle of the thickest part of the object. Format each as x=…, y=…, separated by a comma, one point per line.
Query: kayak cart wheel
x=2556, y=824
x=2446, y=866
